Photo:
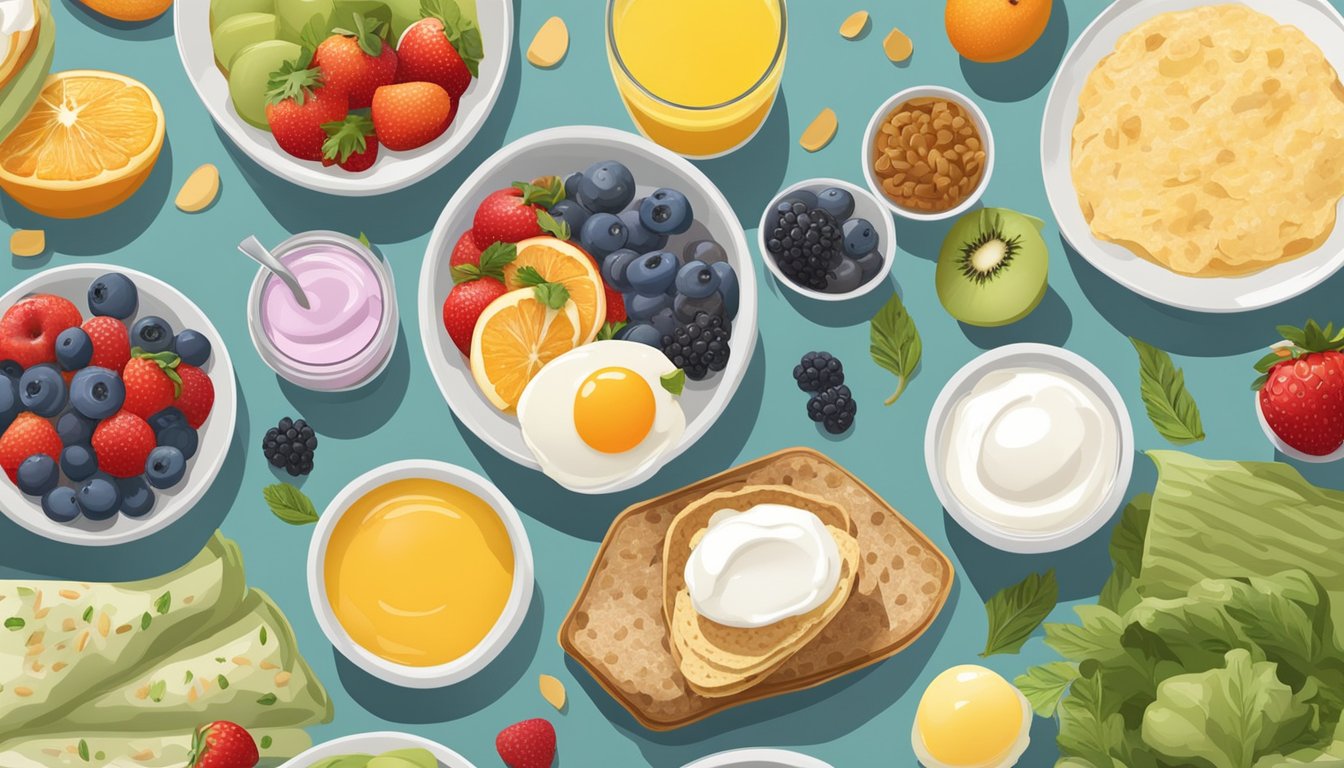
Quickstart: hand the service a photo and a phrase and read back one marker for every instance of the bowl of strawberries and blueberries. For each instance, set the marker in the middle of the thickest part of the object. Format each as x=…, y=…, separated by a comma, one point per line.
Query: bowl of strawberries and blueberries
x=1299, y=395
x=668, y=284
x=98, y=414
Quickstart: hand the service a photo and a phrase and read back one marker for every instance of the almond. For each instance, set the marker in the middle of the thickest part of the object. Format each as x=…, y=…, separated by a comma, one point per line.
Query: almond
x=550, y=44
x=553, y=691
x=199, y=190
x=28, y=242
x=820, y=132
x=853, y=26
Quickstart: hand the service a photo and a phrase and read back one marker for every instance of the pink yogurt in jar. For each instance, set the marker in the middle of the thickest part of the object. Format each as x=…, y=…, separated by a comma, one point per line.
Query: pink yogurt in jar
x=345, y=306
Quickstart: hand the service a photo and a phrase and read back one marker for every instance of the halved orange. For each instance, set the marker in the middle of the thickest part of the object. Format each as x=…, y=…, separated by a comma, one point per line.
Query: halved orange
x=130, y=10
x=89, y=142
x=514, y=337
x=567, y=264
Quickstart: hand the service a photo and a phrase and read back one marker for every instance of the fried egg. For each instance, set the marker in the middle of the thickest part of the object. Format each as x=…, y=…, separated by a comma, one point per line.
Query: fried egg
x=970, y=717
x=600, y=414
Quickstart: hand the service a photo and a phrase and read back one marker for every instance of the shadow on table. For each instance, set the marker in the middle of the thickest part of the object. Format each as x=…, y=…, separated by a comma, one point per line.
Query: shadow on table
x=837, y=314
x=157, y=28
x=359, y=412
x=751, y=176
x=1049, y=323
x=1023, y=77
x=1325, y=475
x=439, y=705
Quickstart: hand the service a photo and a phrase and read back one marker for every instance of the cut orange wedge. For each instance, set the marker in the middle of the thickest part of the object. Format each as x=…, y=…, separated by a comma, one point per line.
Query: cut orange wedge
x=566, y=264
x=89, y=142
x=514, y=337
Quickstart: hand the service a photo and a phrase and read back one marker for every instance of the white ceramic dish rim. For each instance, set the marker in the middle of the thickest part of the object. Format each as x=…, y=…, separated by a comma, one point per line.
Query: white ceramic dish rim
x=924, y=91
x=1029, y=355
x=203, y=468
x=191, y=28
x=499, y=636
x=744, y=326
x=1262, y=289
x=884, y=223
x=375, y=743
x=383, y=344
x=736, y=758
x=1288, y=450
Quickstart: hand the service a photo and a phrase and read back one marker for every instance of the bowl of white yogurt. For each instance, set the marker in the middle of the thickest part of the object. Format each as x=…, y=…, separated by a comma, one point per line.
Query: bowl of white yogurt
x=1030, y=448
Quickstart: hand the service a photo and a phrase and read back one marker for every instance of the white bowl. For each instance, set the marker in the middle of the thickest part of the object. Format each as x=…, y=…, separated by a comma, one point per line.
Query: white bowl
x=510, y=619
x=1288, y=450
x=928, y=91
x=560, y=151
x=866, y=206
x=374, y=744
x=1040, y=356
x=1319, y=21
x=758, y=758
x=156, y=298
x=392, y=170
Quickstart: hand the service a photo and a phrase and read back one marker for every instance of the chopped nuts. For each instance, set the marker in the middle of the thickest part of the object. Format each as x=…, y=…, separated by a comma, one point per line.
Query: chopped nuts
x=853, y=26
x=28, y=242
x=820, y=132
x=550, y=44
x=199, y=190
x=928, y=156
x=553, y=691
x=898, y=46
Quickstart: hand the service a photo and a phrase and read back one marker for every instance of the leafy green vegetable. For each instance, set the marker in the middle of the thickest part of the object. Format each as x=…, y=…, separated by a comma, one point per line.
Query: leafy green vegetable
x=290, y=504
x=1046, y=684
x=608, y=330
x=673, y=382
x=1171, y=408
x=894, y=343
x=1016, y=611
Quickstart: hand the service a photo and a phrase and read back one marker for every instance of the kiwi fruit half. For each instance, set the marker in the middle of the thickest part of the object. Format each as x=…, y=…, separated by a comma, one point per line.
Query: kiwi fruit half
x=992, y=268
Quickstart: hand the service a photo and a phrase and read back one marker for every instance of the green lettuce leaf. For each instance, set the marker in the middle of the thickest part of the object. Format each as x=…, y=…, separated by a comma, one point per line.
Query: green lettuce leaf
x=1045, y=684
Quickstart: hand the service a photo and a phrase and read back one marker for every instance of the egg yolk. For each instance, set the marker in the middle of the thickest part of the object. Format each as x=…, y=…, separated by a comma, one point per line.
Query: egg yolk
x=969, y=716
x=614, y=410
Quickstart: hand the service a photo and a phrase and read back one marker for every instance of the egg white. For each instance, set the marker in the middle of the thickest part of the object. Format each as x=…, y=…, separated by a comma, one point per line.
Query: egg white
x=1010, y=758
x=546, y=415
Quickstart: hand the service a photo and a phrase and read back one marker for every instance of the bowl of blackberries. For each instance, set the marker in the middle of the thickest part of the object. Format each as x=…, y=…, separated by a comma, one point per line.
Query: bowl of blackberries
x=827, y=239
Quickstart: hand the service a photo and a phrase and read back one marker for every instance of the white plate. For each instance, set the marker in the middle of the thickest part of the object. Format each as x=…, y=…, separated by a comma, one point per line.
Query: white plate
x=156, y=298
x=1322, y=23
x=393, y=170
x=1050, y=358
x=374, y=744
x=758, y=758
x=560, y=151
x=506, y=626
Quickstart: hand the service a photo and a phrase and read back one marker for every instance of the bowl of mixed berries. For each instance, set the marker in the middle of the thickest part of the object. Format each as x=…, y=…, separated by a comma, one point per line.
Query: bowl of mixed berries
x=117, y=404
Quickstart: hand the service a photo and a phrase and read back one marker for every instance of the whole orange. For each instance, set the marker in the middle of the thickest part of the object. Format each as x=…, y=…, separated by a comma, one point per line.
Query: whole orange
x=989, y=31
x=129, y=10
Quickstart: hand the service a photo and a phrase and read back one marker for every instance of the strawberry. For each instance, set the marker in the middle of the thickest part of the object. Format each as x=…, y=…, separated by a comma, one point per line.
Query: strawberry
x=1302, y=388
x=298, y=106
x=122, y=444
x=442, y=48
x=222, y=744
x=198, y=395
x=28, y=435
x=152, y=382
x=518, y=212
x=466, y=251
x=410, y=115
x=615, y=304
x=474, y=287
x=29, y=329
x=350, y=144
x=357, y=62
x=111, y=342
x=529, y=744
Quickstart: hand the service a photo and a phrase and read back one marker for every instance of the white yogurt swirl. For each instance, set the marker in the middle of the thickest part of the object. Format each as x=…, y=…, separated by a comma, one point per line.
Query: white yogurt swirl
x=17, y=16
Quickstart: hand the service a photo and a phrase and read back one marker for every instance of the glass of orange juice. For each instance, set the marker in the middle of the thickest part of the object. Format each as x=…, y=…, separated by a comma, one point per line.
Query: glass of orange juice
x=698, y=76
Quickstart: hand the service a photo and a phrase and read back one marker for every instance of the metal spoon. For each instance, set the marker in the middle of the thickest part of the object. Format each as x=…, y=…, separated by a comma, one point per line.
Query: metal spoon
x=253, y=248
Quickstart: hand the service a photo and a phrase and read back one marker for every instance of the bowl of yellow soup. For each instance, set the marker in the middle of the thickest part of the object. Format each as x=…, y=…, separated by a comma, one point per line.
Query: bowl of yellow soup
x=420, y=573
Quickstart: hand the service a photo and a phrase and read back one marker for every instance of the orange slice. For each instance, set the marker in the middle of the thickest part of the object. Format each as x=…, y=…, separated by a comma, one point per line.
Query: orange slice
x=567, y=264
x=89, y=142
x=130, y=10
x=514, y=337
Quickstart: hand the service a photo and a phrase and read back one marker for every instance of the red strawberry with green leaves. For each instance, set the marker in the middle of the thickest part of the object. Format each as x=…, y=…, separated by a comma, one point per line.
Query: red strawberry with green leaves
x=350, y=143
x=222, y=744
x=474, y=287
x=27, y=435
x=1302, y=388
x=111, y=342
x=122, y=444
x=357, y=62
x=29, y=329
x=152, y=382
x=466, y=251
x=518, y=212
x=298, y=106
x=529, y=744
x=197, y=396
x=443, y=48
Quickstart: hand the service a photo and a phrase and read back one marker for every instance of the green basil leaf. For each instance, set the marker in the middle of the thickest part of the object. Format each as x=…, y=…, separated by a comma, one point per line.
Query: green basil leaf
x=1171, y=407
x=290, y=504
x=894, y=343
x=1046, y=684
x=1016, y=611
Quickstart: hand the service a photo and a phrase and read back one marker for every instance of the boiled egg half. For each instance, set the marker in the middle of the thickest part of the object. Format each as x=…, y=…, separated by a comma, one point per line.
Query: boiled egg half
x=970, y=717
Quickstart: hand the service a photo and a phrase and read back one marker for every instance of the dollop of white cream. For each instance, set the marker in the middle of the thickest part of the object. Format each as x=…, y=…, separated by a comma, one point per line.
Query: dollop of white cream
x=17, y=16
x=1031, y=451
x=754, y=568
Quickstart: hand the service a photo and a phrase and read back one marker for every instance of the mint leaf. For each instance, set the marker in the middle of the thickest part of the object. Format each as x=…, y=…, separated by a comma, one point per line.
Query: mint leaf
x=1016, y=612
x=289, y=504
x=894, y=343
x=608, y=330
x=1171, y=408
x=162, y=604
x=553, y=295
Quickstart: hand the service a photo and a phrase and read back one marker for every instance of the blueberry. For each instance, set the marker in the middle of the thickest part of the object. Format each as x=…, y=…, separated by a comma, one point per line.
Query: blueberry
x=11, y=369
x=172, y=429
x=614, y=268
x=804, y=196
x=136, y=497
x=860, y=238
x=602, y=234
x=38, y=474
x=836, y=202
x=97, y=393
x=75, y=428
x=165, y=466
x=667, y=212
x=74, y=349
x=686, y=308
x=152, y=334
x=652, y=273
x=728, y=287
x=42, y=390
x=606, y=187
x=572, y=214
x=707, y=251
x=643, y=333
x=869, y=265
x=78, y=462
x=168, y=417
x=10, y=404
x=845, y=277
x=113, y=295
x=664, y=321
x=59, y=504
x=643, y=308
x=696, y=280
x=192, y=347
x=572, y=184
x=638, y=237
x=99, y=497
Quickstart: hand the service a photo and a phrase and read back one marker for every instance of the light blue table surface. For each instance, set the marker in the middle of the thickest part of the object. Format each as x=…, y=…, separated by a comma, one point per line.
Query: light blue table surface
x=860, y=720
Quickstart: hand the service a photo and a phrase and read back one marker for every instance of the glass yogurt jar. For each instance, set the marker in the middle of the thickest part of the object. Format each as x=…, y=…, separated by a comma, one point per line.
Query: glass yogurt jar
x=345, y=337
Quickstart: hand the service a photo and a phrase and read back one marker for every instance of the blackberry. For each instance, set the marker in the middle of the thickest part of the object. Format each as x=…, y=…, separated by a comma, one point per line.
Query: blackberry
x=290, y=446
x=804, y=243
x=818, y=371
x=834, y=407
x=699, y=347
